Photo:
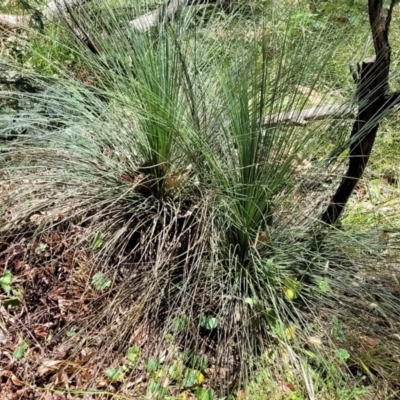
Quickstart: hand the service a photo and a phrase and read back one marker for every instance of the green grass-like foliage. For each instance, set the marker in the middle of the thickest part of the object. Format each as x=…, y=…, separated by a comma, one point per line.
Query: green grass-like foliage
x=204, y=220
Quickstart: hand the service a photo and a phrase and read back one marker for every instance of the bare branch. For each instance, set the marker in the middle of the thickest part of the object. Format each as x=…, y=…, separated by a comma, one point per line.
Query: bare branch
x=310, y=115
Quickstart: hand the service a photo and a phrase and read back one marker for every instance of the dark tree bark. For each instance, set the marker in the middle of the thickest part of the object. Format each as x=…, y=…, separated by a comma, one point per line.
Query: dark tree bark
x=374, y=100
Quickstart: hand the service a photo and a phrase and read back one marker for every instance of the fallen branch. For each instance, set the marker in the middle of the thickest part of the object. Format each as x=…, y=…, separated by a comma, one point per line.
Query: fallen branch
x=310, y=114
x=53, y=9
x=153, y=18
x=167, y=11
x=10, y=21
x=60, y=8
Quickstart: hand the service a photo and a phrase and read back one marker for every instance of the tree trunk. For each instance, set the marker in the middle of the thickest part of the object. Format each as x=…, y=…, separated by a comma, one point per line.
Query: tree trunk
x=374, y=103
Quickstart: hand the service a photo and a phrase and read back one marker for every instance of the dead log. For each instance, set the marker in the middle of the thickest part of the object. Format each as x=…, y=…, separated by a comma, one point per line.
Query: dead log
x=10, y=21
x=153, y=18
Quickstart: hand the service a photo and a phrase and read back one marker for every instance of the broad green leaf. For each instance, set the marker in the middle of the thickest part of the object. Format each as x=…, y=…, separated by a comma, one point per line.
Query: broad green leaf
x=192, y=377
x=20, y=351
x=174, y=372
x=249, y=300
x=180, y=323
x=114, y=373
x=152, y=364
x=100, y=281
x=343, y=355
x=5, y=281
x=208, y=322
x=157, y=389
x=204, y=394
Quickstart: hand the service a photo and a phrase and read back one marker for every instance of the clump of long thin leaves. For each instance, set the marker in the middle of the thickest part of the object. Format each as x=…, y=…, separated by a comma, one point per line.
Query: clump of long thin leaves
x=204, y=218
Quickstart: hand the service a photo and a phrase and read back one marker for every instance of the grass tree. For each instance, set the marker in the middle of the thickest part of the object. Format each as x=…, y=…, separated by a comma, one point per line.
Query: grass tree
x=195, y=225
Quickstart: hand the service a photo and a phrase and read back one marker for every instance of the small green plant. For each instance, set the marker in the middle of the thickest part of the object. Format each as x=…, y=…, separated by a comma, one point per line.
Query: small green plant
x=20, y=350
x=192, y=378
x=5, y=281
x=204, y=394
x=208, y=322
x=174, y=372
x=12, y=301
x=156, y=390
x=114, y=374
x=117, y=374
x=152, y=364
x=323, y=285
x=342, y=355
x=100, y=281
x=199, y=362
x=14, y=295
x=180, y=323
x=133, y=355
x=97, y=241
x=337, y=330
x=41, y=248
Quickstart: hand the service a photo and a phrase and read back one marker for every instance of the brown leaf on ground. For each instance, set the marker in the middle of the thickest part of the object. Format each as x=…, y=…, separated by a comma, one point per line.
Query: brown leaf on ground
x=241, y=395
x=48, y=365
x=286, y=387
x=371, y=342
x=41, y=331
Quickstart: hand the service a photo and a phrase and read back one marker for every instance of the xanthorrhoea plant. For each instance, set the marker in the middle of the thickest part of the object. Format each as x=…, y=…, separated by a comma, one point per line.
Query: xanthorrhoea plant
x=192, y=207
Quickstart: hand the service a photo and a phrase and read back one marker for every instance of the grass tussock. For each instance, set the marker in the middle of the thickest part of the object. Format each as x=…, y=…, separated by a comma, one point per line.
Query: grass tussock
x=190, y=229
